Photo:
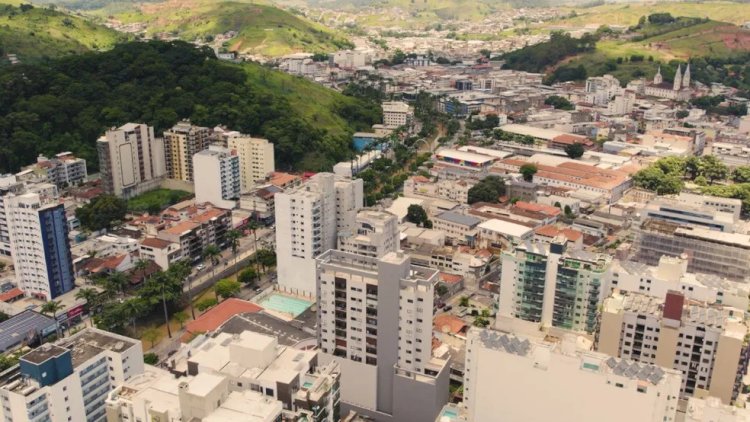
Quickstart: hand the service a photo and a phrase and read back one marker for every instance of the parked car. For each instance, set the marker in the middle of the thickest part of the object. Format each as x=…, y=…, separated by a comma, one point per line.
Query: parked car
x=448, y=308
x=200, y=267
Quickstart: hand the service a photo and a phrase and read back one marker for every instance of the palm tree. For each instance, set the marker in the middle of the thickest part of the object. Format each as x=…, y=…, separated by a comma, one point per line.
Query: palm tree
x=116, y=282
x=90, y=296
x=234, y=241
x=162, y=280
x=140, y=266
x=212, y=252
x=52, y=308
x=180, y=271
x=133, y=309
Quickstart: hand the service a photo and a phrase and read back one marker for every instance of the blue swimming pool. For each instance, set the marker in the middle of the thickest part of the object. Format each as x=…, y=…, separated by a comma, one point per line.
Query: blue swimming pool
x=285, y=304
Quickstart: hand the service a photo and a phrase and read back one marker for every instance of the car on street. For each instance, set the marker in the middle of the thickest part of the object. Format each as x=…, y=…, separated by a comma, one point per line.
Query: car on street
x=200, y=267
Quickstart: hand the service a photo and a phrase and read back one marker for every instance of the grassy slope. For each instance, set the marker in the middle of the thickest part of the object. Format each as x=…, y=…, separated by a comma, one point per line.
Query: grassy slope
x=262, y=29
x=619, y=14
x=314, y=102
x=42, y=32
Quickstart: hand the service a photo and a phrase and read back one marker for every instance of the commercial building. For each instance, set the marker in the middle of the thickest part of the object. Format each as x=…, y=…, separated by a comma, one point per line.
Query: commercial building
x=547, y=284
x=131, y=160
x=692, y=215
x=39, y=244
x=219, y=181
x=733, y=155
x=375, y=234
x=458, y=227
x=181, y=143
x=705, y=342
x=256, y=159
x=464, y=159
x=729, y=205
x=375, y=320
x=448, y=189
x=69, y=380
x=725, y=255
x=396, y=113
x=527, y=379
x=308, y=220
x=500, y=234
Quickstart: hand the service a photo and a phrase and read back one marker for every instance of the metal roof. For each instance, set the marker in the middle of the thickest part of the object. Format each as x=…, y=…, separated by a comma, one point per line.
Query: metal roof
x=15, y=330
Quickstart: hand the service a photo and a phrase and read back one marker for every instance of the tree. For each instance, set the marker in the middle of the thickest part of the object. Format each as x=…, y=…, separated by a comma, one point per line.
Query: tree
x=441, y=290
x=134, y=308
x=233, y=236
x=528, y=171
x=464, y=301
x=227, y=288
x=247, y=276
x=140, y=266
x=681, y=114
x=116, y=282
x=4, y=316
x=179, y=272
x=212, y=253
x=88, y=295
x=150, y=358
x=51, y=308
x=151, y=335
x=741, y=174
x=568, y=211
x=574, y=150
x=713, y=168
x=559, y=103
x=266, y=258
x=181, y=317
x=102, y=212
x=206, y=303
x=416, y=214
x=489, y=189
x=654, y=179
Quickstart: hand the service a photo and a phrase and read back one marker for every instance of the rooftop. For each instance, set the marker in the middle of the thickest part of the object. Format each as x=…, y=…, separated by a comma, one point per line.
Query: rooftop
x=16, y=329
x=464, y=220
x=91, y=341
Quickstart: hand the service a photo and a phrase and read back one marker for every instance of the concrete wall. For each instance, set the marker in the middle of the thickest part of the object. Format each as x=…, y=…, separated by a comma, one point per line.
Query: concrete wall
x=418, y=401
x=175, y=184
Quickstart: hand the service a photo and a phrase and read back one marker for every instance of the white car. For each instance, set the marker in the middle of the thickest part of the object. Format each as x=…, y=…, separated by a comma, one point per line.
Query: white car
x=200, y=267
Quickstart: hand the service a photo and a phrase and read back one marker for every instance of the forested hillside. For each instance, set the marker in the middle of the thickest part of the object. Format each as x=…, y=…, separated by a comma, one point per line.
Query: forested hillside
x=67, y=104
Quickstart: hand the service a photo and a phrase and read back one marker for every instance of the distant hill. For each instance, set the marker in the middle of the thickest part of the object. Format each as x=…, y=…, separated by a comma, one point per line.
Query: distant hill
x=36, y=33
x=261, y=29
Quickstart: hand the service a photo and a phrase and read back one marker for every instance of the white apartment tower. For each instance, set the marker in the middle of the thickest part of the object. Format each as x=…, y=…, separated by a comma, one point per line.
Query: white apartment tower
x=219, y=180
x=375, y=321
x=181, y=142
x=308, y=220
x=131, y=160
x=69, y=380
x=396, y=113
x=256, y=159
x=530, y=379
x=38, y=234
x=375, y=234
x=705, y=342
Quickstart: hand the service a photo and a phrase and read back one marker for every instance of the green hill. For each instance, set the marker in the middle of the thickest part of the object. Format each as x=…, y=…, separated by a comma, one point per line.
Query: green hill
x=35, y=33
x=261, y=29
x=66, y=104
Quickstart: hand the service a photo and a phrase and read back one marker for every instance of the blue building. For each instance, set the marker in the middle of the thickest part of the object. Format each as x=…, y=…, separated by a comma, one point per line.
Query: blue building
x=59, y=260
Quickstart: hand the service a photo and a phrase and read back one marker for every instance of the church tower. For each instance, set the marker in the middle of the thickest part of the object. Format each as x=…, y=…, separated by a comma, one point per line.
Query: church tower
x=686, y=77
x=658, y=78
x=678, y=79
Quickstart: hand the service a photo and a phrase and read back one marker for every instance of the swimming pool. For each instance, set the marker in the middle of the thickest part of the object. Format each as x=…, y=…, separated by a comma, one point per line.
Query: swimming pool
x=284, y=304
x=450, y=414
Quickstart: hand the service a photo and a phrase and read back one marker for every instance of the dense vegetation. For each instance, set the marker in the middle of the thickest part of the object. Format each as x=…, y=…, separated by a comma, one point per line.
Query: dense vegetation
x=489, y=189
x=103, y=212
x=156, y=200
x=67, y=104
x=34, y=33
x=537, y=58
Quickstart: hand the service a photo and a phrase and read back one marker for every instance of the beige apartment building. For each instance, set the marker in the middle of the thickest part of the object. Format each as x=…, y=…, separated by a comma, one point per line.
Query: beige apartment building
x=180, y=144
x=256, y=159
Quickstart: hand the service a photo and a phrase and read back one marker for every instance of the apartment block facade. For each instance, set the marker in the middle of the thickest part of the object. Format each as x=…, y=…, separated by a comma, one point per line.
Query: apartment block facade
x=375, y=321
x=131, y=160
x=219, y=181
x=38, y=234
x=308, y=221
x=181, y=143
x=256, y=159
x=375, y=234
x=706, y=343
x=69, y=381
x=546, y=284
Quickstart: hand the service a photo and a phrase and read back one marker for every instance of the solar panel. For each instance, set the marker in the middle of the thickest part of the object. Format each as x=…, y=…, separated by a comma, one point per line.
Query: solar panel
x=611, y=362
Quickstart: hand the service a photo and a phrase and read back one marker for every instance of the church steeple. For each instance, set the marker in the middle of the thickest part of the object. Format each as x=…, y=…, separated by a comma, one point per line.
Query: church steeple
x=658, y=78
x=677, y=85
x=686, y=77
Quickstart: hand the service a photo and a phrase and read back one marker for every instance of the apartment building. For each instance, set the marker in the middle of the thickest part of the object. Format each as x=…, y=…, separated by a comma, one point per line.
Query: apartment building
x=64, y=169
x=8, y=185
x=448, y=189
x=530, y=379
x=375, y=320
x=261, y=203
x=308, y=220
x=725, y=254
x=162, y=252
x=396, y=113
x=459, y=228
x=219, y=180
x=553, y=286
x=181, y=143
x=375, y=234
x=672, y=274
x=38, y=233
x=256, y=159
x=704, y=342
x=69, y=380
x=131, y=160
x=208, y=226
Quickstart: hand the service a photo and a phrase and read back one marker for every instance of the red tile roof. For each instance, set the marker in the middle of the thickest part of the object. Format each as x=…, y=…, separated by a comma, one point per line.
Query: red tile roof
x=219, y=314
x=11, y=294
x=154, y=242
x=450, y=278
x=447, y=323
